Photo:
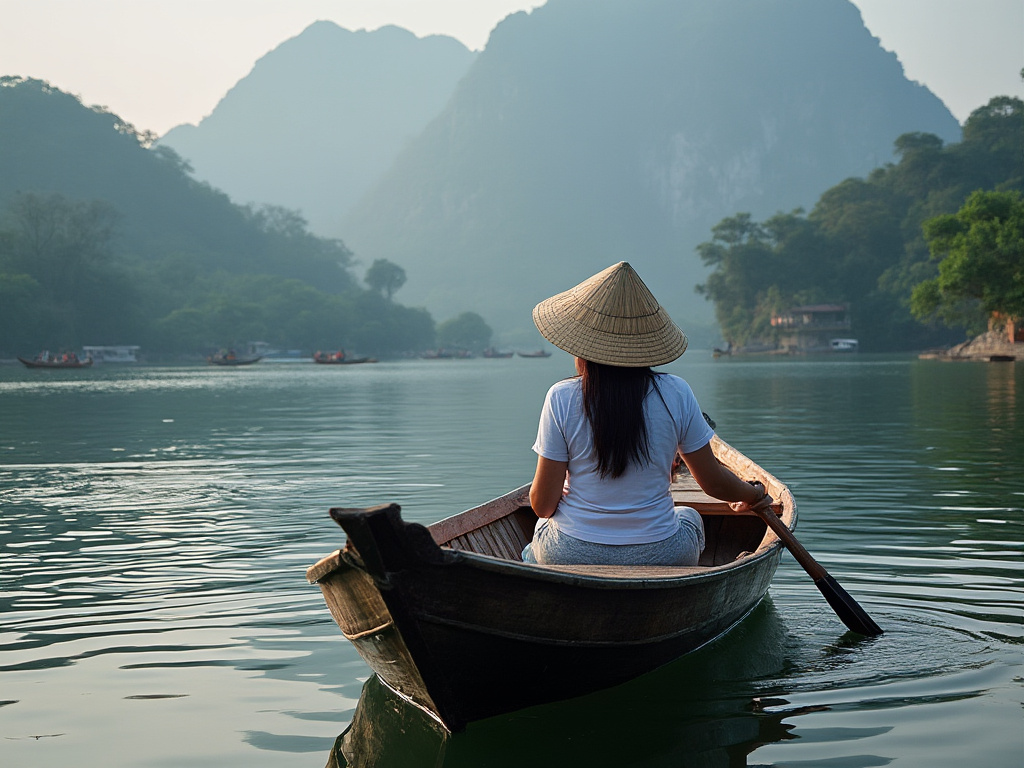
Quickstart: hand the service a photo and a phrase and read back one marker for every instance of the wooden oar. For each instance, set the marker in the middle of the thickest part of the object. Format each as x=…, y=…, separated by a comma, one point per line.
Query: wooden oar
x=846, y=608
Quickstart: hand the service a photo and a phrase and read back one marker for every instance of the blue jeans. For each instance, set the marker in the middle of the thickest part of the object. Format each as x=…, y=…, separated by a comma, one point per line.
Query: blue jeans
x=552, y=547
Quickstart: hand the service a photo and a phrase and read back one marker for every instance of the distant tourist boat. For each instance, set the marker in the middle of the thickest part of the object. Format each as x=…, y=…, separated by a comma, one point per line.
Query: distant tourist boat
x=113, y=354
x=538, y=353
x=231, y=359
x=492, y=352
x=844, y=345
x=45, y=360
x=340, y=358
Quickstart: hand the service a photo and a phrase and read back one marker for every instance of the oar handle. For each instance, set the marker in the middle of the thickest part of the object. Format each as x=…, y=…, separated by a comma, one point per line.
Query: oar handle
x=801, y=555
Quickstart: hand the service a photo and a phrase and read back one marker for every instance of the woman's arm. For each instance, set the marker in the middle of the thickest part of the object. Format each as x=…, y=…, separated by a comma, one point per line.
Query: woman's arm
x=548, y=482
x=718, y=481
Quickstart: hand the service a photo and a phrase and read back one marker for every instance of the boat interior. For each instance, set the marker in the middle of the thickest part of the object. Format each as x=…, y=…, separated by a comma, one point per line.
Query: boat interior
x=503, y=527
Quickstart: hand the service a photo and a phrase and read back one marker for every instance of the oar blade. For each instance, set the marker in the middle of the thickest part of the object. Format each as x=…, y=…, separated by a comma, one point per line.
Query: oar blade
x=846, y=608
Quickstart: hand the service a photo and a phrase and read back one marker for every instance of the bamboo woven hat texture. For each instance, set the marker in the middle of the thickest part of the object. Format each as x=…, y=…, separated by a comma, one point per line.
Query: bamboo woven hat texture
x=611, y=318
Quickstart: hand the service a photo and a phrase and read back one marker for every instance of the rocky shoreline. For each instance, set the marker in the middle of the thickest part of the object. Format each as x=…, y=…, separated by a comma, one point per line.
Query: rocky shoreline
x=989, y=347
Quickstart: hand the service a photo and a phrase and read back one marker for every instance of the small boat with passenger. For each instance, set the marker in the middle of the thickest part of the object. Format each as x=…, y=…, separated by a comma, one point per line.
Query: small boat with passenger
x=451, y=619
x=46, y=360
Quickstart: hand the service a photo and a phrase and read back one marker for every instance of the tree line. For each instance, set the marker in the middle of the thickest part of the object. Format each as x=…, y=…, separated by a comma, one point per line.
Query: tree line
x=106, y=239
x=63, y=285
x=870, y=242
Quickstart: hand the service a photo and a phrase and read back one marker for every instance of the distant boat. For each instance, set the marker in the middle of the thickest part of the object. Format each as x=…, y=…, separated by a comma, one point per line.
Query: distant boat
x=492, y=352
x=339, y=358
x=124, y=353
x=538, y=353
x=70, y=361
x=844, y=345
x=230, y=359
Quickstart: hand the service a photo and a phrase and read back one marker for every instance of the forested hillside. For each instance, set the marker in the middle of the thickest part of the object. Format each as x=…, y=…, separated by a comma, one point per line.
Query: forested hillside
x=104, y=241
x=590, y=131
x=862, y=244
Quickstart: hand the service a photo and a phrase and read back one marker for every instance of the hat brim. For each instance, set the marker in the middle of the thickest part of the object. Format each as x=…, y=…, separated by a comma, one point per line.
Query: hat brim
x=632, y=342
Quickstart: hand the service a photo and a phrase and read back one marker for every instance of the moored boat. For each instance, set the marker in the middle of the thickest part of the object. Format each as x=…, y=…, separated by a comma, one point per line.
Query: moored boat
x=340, y=358
x=538, y=353
x=844, y=345
x=62, y=361
x=450, y=618
x=233, y=360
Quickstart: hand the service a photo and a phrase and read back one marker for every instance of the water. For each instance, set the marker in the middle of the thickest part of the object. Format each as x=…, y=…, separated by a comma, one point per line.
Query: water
x=156, y=524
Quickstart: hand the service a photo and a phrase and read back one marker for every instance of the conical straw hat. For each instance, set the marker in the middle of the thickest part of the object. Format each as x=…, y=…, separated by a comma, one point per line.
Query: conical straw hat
x=611, y=318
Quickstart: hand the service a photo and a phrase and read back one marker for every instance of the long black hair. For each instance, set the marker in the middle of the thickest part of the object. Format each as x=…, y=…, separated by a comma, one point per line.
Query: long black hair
x=613, y=401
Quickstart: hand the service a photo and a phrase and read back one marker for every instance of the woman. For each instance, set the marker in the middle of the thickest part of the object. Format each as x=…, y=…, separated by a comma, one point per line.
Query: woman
x=609, y=436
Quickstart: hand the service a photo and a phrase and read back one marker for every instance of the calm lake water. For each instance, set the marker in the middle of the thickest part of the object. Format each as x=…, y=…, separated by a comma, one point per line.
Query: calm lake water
x=156, y=524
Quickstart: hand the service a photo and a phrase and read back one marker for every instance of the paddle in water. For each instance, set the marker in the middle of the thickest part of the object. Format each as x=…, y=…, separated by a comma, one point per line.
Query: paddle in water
x=846, y=608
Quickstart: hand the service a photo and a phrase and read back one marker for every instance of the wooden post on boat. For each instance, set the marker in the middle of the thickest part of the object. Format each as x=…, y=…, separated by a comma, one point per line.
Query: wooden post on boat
x=384, y=541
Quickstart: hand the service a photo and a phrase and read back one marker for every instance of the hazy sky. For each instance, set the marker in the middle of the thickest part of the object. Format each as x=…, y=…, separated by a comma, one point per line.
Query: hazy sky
x=158, y=63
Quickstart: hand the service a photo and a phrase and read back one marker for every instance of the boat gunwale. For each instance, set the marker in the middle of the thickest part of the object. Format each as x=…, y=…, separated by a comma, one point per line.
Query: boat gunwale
x=667, y=577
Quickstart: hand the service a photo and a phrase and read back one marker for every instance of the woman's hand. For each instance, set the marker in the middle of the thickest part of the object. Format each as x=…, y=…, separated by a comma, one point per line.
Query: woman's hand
x=763, y=502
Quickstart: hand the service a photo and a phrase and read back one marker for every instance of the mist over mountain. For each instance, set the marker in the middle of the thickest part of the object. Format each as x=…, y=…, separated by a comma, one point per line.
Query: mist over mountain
x=321, y=117
x=592, y=131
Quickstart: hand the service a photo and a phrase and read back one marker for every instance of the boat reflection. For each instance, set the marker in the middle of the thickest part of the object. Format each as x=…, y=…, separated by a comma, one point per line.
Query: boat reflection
x=707, y=709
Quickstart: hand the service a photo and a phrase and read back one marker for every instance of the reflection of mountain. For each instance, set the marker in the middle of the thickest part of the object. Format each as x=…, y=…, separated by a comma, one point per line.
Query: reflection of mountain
x=701, y=710
x=321, y=117
x=591, y=131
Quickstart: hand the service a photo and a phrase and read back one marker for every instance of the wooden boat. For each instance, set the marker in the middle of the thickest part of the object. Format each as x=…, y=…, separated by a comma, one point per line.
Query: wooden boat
x=330, y=359
x=233, y=361
x=538, y=353
x=56, y=363
x=450, y=618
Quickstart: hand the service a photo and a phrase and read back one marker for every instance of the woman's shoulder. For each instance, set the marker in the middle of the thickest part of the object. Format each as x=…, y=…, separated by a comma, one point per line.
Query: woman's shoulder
x=673, y=383
x=571, y=384
x=565, y=392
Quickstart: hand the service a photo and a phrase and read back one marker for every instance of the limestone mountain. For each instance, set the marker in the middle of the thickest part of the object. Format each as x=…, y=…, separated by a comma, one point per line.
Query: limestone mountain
x=592, y=131
x=321, y=117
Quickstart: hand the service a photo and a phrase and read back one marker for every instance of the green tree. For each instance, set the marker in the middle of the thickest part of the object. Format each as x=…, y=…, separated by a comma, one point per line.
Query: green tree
x=980, y=250
x=863, y=244
x=20, y=298
x=385, y=277
x=467, y=331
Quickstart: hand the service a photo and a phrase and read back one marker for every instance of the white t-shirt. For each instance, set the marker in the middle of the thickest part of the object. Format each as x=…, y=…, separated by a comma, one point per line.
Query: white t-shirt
x=636, y=507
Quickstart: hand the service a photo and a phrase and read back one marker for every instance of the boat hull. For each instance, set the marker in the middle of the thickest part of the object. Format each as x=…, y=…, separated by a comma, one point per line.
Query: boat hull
x=233, y=362
x=504, y=659
x=352, y=361
x=53, y=364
